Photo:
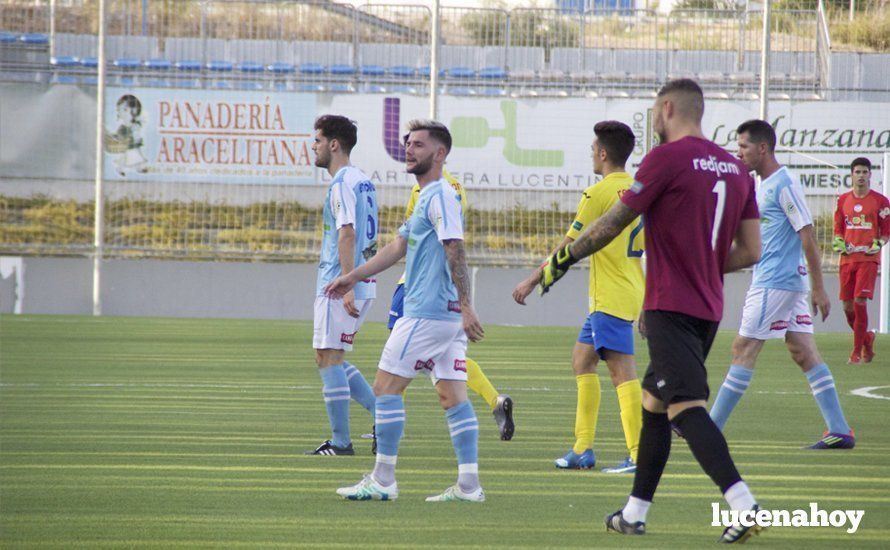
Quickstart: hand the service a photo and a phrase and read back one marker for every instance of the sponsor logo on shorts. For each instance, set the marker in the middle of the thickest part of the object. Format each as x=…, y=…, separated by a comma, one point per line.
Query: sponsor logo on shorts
x=460, y=364
x=660, y=384
x=802, y=270
x=347, y=338
x=454, y=306
x=865, y=291
x=804, y=320
x=428, y=365
x=779, y=325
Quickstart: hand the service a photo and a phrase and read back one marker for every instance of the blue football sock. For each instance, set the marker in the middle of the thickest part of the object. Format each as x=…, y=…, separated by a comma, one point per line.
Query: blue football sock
x=389, y=416
x=389, y=420
x=336, y=399
x=734, y=385
x=359, y=388
x=464, y=428
x=822, y=384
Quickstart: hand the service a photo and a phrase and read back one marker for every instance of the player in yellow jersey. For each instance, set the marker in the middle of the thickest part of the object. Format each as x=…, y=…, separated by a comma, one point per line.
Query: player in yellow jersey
x=615, y=299
x=501, y=404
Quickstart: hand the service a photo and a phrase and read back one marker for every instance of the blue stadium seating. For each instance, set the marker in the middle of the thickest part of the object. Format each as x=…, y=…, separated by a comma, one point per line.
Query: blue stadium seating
x=403, y=90
x=404, y=71
x=341, y=88
x=461, y=91
x=8, y=37
x=493, y=92
x=305, y=87
x=188, y=73
x=63, y=69
x=342, y=70
x=34, y=38
x=493, y=73
x=312, y=68
x=460, y=72
x=372, y=70
x=281, y=68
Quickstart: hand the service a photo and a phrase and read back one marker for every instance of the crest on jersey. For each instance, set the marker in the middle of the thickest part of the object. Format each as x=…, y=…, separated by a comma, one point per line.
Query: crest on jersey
x=857, y=208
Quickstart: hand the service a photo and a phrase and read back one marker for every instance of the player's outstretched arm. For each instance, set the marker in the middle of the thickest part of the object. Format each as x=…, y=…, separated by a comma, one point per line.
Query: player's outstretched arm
x=599, y=234
x=457, y=263
x=603, y=230
x=527, y=285
x=383, y=260
x=745, y=250
x=818, y=296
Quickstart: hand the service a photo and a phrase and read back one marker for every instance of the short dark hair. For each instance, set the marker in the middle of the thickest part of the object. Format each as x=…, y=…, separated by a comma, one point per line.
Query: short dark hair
x=759, y=131
x=436, y=129
x=340, y=128
x=860, y=161
x=616, y=138
x=693, y=103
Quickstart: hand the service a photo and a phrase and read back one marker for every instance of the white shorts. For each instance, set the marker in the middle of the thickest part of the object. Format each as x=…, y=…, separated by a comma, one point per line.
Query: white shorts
x=333, y=327
x=770, y=313
x=426, y=346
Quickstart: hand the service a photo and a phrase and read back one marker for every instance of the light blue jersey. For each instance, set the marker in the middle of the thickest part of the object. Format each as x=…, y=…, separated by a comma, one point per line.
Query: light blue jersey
x=429, y=291
x=784, y=212
x=351, y=200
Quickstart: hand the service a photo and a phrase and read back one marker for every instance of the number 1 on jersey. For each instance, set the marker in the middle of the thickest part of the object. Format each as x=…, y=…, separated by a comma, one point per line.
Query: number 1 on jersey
x=720, y=190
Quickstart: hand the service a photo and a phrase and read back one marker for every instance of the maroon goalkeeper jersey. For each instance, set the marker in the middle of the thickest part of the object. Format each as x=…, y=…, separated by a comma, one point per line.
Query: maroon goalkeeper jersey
x=693, y=194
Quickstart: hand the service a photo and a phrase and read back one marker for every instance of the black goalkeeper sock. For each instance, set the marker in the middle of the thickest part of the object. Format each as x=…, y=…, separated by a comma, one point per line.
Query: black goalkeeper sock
x=708, y=446
x=652, y=454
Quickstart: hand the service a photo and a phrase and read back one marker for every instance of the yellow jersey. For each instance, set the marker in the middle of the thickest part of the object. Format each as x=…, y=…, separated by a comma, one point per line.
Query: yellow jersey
x=616, y=276
x=415, y=192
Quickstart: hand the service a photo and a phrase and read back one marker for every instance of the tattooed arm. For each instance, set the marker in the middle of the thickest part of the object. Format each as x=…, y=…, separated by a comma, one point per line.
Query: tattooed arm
x=457, y=263
x=603, y=230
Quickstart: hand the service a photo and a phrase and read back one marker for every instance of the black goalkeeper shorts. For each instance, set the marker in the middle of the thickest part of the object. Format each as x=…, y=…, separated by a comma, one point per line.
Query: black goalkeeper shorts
x=678, y=347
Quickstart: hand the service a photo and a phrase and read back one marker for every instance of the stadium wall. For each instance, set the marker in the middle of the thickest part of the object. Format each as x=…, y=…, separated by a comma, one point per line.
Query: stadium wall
x=157, y=288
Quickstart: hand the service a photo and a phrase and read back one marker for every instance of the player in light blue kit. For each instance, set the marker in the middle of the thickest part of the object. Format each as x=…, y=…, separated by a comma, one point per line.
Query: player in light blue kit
x=776, y=305
x=349, y=240
x=431, y=338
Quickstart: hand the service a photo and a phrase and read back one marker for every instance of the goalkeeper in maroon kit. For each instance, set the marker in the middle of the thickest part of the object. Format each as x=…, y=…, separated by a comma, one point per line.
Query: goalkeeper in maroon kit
x=701, y=222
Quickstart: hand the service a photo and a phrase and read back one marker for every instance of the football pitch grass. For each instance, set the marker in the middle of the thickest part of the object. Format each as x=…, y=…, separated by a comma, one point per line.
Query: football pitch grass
x=122, y=432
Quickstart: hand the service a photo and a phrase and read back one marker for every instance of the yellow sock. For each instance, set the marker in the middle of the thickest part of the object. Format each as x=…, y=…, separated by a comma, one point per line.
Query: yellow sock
x=479, y=383
x=587, y=412
x=630, y=401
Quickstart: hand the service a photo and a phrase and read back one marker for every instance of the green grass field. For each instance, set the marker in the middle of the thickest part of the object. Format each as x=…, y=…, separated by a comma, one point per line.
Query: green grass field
x=190, y=433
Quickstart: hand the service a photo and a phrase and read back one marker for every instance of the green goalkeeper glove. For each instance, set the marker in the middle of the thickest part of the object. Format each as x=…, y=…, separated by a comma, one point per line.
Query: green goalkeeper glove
x=838, y=245
x=555, y=267
x=875, y=247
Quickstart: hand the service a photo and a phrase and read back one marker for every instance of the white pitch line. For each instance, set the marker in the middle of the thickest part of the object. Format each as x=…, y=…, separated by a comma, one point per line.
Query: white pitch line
x=867, y=392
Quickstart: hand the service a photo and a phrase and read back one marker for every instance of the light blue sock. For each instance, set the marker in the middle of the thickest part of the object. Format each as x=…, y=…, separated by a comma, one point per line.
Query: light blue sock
x=734, y=385
x=359, y=388
x=822, y=384
x=389, y=419
x=464, y=428
x=336, y=399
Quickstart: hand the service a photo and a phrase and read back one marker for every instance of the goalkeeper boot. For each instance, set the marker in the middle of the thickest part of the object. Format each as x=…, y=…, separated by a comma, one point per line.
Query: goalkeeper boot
x=835, y=441
x=616, y=522
x=868, y=348
x=626, y=466
x=329, y=449
x=503, y=415
x=369, y=489
x=738, y=533
x=575, y=461
x=454, y=494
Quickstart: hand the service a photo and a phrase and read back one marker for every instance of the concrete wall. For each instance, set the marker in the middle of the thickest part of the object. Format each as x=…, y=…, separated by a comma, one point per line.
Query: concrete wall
x=287, y=291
